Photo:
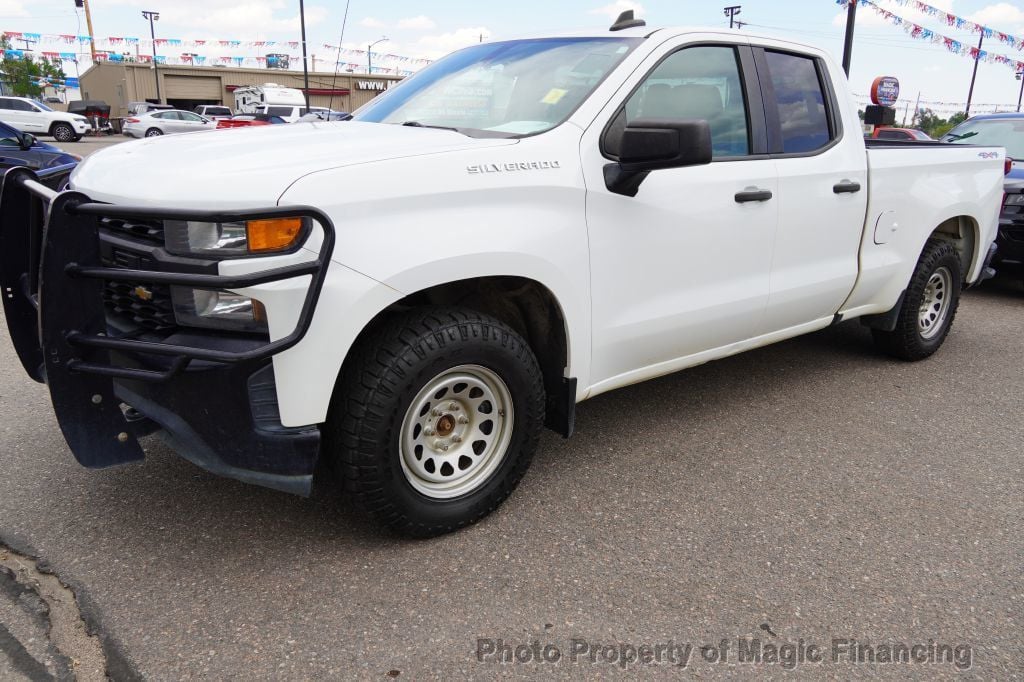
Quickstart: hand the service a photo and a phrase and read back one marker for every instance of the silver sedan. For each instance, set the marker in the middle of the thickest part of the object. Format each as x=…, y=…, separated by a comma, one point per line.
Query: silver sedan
x=166, y=122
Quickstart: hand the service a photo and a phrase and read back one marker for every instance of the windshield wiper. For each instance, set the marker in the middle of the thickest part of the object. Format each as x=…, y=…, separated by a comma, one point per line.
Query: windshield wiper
x=417, y=124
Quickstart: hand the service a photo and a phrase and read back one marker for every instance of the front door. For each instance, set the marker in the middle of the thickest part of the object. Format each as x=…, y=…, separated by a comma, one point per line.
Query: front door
x=682, y=267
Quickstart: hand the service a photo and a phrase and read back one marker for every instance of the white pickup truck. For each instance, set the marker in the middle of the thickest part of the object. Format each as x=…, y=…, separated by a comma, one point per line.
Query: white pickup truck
x=412, y=295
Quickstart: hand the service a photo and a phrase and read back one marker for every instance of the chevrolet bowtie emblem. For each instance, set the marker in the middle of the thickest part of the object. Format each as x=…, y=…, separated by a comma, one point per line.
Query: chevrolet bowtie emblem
x=143, y=293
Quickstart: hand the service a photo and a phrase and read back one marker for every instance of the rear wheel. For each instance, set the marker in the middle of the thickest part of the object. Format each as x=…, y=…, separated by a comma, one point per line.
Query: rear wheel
x=929, y=306
x=154, y=132
x=63, y=132
x=436, y=419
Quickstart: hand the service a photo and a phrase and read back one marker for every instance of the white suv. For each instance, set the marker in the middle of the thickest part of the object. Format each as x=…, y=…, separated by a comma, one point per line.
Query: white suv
x=35, y=117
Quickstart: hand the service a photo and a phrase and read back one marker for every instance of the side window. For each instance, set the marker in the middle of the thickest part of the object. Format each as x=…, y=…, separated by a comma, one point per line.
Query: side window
x=801, y=102
x=189, y=116
x=6, y=104
x=693, y=83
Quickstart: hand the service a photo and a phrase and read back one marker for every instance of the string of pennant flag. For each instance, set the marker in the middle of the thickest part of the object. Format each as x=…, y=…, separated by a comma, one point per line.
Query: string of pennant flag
x=959, y=23
x=953, y=45
x=410, y=64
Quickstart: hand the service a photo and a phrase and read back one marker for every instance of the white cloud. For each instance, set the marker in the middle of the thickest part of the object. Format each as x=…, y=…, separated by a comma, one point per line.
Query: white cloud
x=420, y=23
x=370, y=22
x=1001, y=16
x=13, y=8
x=434, y=46
x=616, y=8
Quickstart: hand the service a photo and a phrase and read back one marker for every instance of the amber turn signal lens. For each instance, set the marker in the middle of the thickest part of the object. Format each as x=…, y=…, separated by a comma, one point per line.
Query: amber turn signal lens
x=273, y=234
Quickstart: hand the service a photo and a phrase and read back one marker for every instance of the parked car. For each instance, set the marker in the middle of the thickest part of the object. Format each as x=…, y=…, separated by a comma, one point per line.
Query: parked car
x=613, y=206
x=1003, y=130
x=213, y=112
x=23, y=149
x=30, y=116
x=326, y=115
x=158, y=123
x=247, y=120
x=884, y=133
x=135, y=108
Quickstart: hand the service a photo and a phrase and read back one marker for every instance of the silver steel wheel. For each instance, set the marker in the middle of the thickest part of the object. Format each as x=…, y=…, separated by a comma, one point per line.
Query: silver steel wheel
x=935, y=304
x=456, y=432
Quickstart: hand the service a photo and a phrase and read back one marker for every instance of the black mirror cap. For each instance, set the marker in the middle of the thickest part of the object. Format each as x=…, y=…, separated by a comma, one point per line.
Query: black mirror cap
x=651, y=144
x=655, y=143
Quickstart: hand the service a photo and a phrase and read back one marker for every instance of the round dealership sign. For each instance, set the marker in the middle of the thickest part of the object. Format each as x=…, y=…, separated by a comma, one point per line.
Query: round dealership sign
x=885, y=91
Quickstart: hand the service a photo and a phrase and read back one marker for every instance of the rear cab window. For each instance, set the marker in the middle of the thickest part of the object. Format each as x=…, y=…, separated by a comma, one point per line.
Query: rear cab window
x=802, y=102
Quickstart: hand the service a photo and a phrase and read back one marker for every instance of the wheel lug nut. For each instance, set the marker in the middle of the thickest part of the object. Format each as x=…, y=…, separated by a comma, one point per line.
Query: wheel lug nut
x=463, y=419
x=429, y=432
x=436, y=412
x=454, y=407
x=445, y=448
x=456, y=439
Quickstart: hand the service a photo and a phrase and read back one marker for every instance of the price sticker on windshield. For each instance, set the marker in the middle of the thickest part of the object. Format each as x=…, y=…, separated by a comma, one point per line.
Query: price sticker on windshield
x=554, y=96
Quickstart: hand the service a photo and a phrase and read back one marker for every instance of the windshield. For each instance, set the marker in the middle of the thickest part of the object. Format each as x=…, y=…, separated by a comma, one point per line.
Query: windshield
x=995, y=132
x=506, y=89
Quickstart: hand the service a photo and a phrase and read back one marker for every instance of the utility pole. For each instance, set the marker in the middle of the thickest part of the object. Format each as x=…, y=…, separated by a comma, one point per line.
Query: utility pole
x=88, y=25
x=970, y=93
x=851, y=21
x=731, y=12
x=1020, y=77
x=27, y=43
x=153, y=16
x=305, y=62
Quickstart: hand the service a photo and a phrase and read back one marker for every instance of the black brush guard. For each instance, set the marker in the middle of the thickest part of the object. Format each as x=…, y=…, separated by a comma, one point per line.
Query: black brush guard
x=52, y=282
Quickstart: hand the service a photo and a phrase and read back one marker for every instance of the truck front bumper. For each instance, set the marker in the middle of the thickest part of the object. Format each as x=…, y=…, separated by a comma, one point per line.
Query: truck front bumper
x=210, y=395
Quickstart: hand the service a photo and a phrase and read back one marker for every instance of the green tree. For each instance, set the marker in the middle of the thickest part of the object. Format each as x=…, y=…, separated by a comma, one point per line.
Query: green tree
x=23, y=74
x=936, y=126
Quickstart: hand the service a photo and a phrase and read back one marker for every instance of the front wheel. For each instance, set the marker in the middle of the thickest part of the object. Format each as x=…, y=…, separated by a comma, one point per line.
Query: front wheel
x=929, y=306
x=436, y=419
x=63, y=132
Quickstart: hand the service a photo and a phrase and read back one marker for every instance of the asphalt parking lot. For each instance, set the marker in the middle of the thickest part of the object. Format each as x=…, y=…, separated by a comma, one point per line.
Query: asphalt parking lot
x=804, y=494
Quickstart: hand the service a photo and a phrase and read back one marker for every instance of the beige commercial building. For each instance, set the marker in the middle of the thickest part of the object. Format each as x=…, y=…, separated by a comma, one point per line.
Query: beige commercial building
x=186, y=87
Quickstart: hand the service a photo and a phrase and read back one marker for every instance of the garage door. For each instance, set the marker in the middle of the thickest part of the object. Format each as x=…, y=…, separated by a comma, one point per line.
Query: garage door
x=193, y=87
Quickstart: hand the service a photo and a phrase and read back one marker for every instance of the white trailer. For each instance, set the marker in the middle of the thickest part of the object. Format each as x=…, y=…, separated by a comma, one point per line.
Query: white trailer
x=271, y=99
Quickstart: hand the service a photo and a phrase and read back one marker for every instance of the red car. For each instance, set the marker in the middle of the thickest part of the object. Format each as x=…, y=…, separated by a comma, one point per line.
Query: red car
x=886, y=133
x=246, y=120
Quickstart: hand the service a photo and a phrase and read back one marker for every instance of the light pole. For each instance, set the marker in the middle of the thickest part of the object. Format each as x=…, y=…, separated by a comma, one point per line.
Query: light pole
x=369, y=55
x=1020, y=77
x=153, y=16
x=305, y=62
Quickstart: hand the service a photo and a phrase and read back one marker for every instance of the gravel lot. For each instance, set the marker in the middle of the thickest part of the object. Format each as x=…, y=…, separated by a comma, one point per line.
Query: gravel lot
x=808, y=491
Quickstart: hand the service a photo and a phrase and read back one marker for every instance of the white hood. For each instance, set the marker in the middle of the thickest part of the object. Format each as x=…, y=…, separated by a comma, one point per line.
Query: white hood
x=249, y=167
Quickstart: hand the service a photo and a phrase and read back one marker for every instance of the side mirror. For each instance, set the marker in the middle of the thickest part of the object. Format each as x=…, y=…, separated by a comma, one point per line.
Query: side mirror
x=650, y=144
x=25, y=141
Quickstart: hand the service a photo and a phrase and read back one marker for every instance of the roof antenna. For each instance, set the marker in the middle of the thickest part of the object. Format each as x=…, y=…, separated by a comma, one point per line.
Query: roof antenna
x=626, y=20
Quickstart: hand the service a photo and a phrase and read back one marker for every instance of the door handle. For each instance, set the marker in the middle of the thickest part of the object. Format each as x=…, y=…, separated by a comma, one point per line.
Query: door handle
x=846, y=187
x=754, y=194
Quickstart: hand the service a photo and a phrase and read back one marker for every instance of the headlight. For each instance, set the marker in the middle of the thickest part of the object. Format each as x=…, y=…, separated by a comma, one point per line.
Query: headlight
x=225, y=240
x=1014, y=199
x=218, y=309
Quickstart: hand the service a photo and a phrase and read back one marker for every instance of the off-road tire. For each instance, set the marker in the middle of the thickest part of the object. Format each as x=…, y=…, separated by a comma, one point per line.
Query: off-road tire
x=376, y=389
x=906, y=341
x=63, y=132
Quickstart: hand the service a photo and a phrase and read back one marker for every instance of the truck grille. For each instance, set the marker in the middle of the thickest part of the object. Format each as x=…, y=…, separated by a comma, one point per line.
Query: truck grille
x=147, y=230
x=1011, y=222
x=140, y=305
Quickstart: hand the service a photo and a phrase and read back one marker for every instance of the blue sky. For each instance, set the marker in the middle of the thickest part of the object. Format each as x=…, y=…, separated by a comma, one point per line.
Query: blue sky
x=429, y=29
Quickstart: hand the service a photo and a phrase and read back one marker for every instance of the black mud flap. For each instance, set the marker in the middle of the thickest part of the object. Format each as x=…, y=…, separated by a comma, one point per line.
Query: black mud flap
x=87, y=410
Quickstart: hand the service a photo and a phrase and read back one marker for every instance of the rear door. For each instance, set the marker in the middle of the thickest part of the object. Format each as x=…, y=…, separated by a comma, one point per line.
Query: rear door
x=822, y=175
x=192, y=122
x=15, y=112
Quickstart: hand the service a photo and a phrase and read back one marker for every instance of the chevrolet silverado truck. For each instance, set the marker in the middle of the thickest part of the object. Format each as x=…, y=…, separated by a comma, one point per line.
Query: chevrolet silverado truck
x=411, y=296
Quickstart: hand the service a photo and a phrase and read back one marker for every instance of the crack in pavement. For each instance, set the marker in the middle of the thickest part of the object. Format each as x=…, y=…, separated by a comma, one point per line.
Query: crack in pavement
x=42, y=633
